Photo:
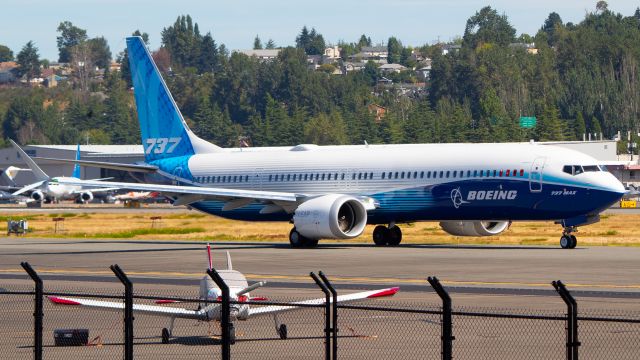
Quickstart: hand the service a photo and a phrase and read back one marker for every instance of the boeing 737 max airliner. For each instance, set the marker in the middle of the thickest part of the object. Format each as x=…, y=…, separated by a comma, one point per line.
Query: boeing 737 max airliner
x=332, y=192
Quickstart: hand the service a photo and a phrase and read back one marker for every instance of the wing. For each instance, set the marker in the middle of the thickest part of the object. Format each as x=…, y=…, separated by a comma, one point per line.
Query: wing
x=119, y=306
x=103, y=165
x=274, y=309
x=96, y=190
x=191, y=194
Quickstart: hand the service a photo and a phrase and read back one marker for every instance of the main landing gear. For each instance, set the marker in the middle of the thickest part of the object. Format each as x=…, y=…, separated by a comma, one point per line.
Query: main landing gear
x=166, y=333
x=298, y=241
x=387, y=236
x=568, y=240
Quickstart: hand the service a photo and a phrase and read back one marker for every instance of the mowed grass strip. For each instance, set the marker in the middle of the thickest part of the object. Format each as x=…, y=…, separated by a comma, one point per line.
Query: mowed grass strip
x=613, y=230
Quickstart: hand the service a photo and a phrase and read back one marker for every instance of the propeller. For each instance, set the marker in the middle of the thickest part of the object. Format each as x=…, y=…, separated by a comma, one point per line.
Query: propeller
x=30, y=187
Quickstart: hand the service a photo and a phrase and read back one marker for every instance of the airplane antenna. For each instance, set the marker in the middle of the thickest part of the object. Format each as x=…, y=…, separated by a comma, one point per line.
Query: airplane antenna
x=209, y=255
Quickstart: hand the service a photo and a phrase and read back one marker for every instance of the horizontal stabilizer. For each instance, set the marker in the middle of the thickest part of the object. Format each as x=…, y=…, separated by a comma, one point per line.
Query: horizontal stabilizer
x=104, y=165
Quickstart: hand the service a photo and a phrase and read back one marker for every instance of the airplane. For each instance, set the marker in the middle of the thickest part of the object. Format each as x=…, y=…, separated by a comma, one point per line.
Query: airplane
x=332, y=192
x=241, y=306
x=52, y=188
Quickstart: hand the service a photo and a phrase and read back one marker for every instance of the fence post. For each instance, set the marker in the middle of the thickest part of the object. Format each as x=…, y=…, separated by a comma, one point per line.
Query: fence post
x=327, y=315
x=225, y=313
x=128, y=310
x=572, y=320
x=334, y=325
x=447, y=319
x=38, y=312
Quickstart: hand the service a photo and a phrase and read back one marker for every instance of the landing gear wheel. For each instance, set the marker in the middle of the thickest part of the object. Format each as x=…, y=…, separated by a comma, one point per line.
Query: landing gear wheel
x=295, y=239
x=574, y=242
x=565, y=242
x=395, y=236
x=298, y=241
x=282, y=331
x=165, y=336
x=232, y=334
x=380, y=235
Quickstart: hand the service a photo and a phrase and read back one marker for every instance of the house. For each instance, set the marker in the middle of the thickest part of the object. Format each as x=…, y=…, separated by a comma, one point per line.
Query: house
x=332, y=53
x=530, y=48
x=115, y=66
x=377, y=110
x=423, y=70
x=6, y=72
x=262, y=54
x=348, y=67
x=450, y=48
x=375, y=51
x=314, y=61
x=392, y=68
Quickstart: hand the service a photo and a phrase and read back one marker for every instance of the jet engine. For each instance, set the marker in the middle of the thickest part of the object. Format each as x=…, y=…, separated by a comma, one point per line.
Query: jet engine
x=86, y=196
x=37, y=195
x=333, y=216
x=474, y=228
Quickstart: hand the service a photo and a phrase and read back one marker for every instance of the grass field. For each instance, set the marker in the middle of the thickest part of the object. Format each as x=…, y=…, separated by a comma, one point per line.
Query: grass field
x=613, y=230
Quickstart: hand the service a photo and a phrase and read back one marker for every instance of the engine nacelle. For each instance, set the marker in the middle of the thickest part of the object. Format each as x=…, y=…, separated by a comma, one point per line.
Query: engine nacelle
x=86, y=196
x=474, y=228
x=37, y=195
x=333, y=216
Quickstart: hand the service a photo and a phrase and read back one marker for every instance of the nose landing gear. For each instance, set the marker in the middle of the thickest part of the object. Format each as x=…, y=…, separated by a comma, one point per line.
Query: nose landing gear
x=568, y=240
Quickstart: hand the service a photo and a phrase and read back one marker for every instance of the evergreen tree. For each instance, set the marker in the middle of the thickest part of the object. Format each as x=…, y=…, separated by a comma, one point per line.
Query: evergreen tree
x=123, y=59
x=101, y=54
x=549, y=127
x=394, y=49
x=486, y=26
x=118, y=117
x=580, y=127
x=28, y=61
x=257, y=44
x=270, y=44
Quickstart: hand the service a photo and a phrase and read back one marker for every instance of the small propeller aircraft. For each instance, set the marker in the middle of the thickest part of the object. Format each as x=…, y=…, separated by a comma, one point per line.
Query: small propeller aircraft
x=207, y=311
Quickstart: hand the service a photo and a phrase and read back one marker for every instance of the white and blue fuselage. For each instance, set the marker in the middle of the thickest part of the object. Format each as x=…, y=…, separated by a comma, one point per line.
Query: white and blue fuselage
x=514, y=181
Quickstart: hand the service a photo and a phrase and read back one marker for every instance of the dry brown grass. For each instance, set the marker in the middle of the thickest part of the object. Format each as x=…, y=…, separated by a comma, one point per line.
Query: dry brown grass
x=618, y=229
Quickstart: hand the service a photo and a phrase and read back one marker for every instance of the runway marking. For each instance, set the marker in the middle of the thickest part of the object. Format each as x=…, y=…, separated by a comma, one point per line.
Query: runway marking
x=333, y=278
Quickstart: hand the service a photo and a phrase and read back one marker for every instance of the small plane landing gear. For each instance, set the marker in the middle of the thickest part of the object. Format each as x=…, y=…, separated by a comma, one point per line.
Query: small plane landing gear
x=165, y=336
x=298, y=241
x=282, y=331
x=383, y=235
x=568, y=240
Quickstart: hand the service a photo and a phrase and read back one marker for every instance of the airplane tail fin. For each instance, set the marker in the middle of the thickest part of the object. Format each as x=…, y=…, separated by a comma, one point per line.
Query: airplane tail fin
x=76, y=167
x=9, y=175
x=39, y=174
x=164, y=132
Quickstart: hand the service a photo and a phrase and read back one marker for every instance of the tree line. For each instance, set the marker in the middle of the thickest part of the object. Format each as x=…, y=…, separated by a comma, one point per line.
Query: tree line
x=577, y=78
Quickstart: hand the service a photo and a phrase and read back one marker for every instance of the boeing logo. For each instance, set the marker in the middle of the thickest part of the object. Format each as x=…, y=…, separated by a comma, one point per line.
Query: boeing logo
x=457, y=199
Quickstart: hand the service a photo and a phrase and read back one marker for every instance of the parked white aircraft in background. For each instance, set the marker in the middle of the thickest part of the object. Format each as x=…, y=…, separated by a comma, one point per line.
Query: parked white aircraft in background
x=239, y=289
x=53, y=188
x=332, y=192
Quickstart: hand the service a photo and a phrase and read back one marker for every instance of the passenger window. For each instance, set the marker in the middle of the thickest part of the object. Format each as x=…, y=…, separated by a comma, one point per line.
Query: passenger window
x=500, y=173
x=359, y=176
x=455, y=173
x=447, y=174
x=428, y=174
x=515, y=172
x=353, y=177
x=441, y=174
x=402, y=175
x=342, y=177
x=396, y=175
x=521, y=172
x=421, y=174
x=383, y=173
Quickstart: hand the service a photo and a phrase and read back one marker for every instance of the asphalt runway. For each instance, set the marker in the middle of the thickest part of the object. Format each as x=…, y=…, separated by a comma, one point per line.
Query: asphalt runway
x=480, y=278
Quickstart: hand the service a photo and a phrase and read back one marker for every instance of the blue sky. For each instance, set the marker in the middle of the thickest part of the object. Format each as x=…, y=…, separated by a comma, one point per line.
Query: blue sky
x=236, y=23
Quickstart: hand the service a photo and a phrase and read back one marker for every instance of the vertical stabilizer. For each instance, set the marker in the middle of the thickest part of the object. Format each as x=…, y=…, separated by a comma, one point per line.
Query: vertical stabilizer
x=164, y=132
x=37, y=172
x=76, y=167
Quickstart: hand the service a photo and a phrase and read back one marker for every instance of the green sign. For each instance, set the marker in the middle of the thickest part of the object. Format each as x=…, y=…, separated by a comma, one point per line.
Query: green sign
x=527, y=122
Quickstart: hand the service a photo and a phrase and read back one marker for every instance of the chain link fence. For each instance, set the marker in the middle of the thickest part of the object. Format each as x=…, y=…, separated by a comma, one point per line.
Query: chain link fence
x=384, y=328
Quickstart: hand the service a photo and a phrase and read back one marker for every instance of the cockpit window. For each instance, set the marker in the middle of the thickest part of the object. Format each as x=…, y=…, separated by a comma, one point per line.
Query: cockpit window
x=573, y=169
x=591, y=168
x=603, y=168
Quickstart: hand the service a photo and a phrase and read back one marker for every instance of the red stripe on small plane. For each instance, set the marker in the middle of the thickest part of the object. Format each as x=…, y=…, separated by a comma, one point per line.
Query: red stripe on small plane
x=258, y=299
x=162, y=301
x=387, y=292
x=60, y=301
